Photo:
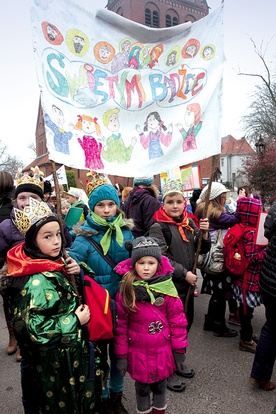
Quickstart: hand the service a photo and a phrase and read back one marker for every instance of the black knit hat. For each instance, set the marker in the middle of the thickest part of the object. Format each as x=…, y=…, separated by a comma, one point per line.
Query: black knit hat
x=143, y=246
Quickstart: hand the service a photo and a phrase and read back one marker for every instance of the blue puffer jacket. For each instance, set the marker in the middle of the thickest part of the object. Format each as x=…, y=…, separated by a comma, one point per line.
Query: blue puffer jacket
x=83, y=251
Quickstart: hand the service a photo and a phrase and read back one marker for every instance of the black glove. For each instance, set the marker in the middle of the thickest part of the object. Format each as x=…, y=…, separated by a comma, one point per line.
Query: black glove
x=179, y=361
x=121, y=365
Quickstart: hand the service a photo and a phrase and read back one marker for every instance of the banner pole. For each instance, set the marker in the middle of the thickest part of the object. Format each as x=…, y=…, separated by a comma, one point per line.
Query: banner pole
x=211, y=179
x=61, y=224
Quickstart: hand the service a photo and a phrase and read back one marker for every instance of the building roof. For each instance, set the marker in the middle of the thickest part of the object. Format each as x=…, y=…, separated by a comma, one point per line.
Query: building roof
x=39, y=161
x=233, y=146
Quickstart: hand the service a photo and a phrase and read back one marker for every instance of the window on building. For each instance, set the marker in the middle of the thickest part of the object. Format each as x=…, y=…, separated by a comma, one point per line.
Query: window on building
x=152, y=18
x=222, y=162
x=168, y=20
x=175, y=21
x=155, y=19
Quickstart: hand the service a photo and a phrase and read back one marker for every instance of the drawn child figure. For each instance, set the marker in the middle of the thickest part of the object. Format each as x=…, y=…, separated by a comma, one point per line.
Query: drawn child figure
x=192, y=126
x=120, y=60
x=156, y=135
x=155, y=54
x=46, y=317
x=151, y=336
x=61, y=137
x=133, y=58
x=91, y=146
x=115, y=149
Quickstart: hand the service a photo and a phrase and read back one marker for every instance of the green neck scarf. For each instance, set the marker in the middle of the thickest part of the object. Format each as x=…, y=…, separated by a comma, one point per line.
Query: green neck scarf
x=166, y=287
x=114, y=225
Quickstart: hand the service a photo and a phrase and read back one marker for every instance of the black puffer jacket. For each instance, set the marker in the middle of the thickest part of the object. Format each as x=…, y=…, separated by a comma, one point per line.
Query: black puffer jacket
x=141, y=205
x=268, y=273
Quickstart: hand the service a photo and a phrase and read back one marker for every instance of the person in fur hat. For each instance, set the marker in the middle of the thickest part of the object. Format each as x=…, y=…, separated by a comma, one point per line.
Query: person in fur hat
x=151, y=335
x=107, y=227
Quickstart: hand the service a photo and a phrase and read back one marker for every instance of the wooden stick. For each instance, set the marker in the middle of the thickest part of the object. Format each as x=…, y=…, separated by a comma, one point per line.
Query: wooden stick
x=211, y=179
x=61, y=224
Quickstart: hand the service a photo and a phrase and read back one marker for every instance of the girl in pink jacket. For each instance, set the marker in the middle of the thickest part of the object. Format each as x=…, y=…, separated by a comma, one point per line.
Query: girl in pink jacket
x=151, y=336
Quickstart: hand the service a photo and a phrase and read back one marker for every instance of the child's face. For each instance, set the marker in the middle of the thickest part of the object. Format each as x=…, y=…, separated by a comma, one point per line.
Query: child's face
x=48, y=239
x=146, y=267
x=174, y=205
x=23, y=199
x=106, y=209
x=64, y=210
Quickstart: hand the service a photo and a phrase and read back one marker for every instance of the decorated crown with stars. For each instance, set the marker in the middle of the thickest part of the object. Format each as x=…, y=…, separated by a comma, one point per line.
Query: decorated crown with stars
x=31, y=214
x=31, y=181
x=96, y=180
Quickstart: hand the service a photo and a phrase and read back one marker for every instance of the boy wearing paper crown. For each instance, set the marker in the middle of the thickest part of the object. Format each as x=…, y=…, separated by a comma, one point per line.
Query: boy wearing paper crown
x=177, y=235
x=46, y=317
x=106, y=226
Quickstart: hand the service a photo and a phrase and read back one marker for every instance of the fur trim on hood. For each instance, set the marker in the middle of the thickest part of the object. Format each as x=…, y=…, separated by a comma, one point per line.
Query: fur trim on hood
x=126, y=265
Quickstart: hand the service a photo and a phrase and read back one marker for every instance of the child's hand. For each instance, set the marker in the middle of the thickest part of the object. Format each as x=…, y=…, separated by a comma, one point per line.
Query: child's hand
x=204, y=226
x=191, y=278
x=72, y=267
x=83, y=314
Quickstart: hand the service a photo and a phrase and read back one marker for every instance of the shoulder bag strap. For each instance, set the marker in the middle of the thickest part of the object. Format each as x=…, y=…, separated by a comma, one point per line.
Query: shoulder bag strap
x=106, y=257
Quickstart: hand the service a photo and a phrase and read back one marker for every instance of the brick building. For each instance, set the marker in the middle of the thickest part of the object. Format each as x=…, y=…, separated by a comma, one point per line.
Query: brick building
x=158, y=14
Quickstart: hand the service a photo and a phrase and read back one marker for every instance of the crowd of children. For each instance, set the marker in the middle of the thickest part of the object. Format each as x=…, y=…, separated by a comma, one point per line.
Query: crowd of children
x=142, y=252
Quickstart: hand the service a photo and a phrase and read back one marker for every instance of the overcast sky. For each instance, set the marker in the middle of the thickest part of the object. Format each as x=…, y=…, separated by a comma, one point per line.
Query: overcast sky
x=243, y=19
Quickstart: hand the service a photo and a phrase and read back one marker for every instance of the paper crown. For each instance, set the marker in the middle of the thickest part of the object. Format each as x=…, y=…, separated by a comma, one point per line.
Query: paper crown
x=96, y=180
x=172, y=186
x=31, y=214
x=35, y=177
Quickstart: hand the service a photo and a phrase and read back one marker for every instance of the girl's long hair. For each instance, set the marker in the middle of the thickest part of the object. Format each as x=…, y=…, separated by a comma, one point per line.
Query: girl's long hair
x=127, y=290
x=215, y=207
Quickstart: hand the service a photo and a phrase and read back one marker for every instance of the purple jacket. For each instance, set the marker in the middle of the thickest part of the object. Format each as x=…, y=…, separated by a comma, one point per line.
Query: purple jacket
x=148, y=337
x=141, y=206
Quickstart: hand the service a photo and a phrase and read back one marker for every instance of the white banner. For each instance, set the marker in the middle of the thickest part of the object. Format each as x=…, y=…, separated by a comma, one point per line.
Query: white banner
x=125, y=99
x=61, y=176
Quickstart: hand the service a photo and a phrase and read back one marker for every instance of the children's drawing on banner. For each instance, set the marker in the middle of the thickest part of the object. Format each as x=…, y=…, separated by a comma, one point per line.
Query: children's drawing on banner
x=115, y=149
x=104, y=52
x=145, y=56
x=91, y=146
x=134, y=56
x=77, y=42
x=155, y=54
x=129, y=77
x=156, y=135
x=191, y=49
x=61, y=137
x=208, y=52
x=120, y=60
x=192, y=125
x=173, y=56
x=51, y=33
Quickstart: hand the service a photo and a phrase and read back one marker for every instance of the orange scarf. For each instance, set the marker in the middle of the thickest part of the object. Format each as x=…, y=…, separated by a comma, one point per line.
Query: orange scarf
x=161, y=215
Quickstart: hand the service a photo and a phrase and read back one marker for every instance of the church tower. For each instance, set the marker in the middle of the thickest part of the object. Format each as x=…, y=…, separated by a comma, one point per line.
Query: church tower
x=160, y=13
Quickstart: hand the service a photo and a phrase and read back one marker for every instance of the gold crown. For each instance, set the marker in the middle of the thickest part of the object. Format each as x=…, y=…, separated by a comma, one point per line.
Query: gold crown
x=34, y=177
x=37, y=210
x=96, y=180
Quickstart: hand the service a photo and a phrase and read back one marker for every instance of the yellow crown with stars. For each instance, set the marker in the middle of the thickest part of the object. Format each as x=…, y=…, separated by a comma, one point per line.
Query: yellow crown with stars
x=34, y=177
x=96, y=180
x=31, y=214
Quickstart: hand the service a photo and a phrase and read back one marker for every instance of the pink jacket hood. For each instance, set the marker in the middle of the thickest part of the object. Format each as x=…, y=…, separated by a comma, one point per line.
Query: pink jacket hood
x=164, y=268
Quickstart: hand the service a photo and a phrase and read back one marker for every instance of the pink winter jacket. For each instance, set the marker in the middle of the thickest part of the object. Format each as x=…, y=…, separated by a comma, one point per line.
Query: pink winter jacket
x=148, y=337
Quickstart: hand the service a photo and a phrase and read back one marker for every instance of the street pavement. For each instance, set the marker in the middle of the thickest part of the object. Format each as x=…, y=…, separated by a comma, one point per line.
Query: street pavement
x=220, y=385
